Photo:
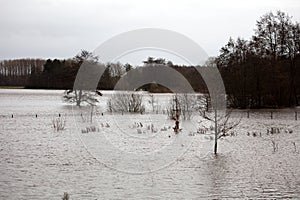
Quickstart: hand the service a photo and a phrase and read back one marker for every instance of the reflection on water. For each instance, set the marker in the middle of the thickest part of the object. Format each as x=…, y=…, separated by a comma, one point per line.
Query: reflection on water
x=38, y=163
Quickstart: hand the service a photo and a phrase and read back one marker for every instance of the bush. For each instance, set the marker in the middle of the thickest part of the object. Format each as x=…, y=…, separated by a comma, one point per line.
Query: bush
x=126, y=102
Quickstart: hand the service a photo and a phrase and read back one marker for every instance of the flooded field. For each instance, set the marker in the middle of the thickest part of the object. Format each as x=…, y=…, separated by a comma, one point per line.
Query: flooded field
x=138, y=156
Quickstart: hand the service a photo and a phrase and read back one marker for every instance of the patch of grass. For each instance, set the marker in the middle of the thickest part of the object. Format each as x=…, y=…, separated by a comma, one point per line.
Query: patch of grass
x=58, y=124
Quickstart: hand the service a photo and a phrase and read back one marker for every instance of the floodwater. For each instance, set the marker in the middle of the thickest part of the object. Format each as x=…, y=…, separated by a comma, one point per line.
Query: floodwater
x=122, y=159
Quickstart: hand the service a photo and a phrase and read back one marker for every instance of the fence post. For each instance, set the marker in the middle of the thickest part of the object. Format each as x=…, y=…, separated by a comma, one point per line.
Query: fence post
x=271, y=114
x=247, y=113
x=296, y=115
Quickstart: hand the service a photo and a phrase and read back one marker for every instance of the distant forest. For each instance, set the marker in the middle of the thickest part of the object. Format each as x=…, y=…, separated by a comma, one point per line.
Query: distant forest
x=261, y=72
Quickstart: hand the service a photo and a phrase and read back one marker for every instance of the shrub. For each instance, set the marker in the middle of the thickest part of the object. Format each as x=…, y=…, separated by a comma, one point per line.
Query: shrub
x=126, y=102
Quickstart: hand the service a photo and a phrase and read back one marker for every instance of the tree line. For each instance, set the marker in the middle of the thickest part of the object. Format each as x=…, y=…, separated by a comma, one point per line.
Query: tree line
x=260, y=72
x=17, y=72
x=263, y=71
x=61, y=74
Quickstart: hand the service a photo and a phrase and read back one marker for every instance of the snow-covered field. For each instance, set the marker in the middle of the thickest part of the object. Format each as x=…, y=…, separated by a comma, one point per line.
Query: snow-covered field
x=137, y=156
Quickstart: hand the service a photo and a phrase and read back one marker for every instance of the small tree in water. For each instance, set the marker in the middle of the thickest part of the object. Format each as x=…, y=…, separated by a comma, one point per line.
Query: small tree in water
x=80, y=96
x=174, y=111
x=82, y=92
x=223, y=123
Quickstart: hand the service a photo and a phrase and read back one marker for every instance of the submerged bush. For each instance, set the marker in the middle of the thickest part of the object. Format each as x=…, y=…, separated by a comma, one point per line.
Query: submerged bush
x=126, y=102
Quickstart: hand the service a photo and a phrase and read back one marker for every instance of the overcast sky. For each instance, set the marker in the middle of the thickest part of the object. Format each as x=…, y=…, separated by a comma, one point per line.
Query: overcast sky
x=61, y=28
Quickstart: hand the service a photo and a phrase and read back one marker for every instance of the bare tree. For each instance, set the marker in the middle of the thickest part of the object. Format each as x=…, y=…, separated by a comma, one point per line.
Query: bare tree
x=181, y=105
x=174, y=107
x=153, y=102
x=81, y=96
x=189, y=103
x=82, y=93
x=116, y=69
x=185, y=104
x=223, y=123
